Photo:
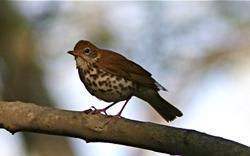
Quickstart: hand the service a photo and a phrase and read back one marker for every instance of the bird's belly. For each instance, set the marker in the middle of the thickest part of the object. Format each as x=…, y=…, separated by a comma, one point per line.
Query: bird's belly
x=111, y=96
x=108, y=87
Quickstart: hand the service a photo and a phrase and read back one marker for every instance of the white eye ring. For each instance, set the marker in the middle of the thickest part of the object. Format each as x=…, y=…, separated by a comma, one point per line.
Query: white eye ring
x=87, y=50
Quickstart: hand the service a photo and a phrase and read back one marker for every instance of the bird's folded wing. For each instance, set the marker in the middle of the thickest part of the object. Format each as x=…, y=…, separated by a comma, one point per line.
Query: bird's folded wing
x=120, y=66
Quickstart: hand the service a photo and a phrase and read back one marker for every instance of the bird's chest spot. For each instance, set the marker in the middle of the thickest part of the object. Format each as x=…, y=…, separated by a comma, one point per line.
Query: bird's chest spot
x=107, y=86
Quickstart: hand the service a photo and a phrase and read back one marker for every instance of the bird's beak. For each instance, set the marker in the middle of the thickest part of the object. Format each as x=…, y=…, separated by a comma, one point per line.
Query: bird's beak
x=74, y=53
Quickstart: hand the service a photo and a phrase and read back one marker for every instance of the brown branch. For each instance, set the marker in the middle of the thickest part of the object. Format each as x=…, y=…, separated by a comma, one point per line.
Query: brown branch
x=28, y=117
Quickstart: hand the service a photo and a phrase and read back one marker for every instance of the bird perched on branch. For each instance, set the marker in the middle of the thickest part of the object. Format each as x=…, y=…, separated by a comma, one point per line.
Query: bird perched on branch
x=113, y=78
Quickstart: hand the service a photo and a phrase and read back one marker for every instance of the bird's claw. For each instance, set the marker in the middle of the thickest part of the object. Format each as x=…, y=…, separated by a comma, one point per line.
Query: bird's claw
x=94, y=110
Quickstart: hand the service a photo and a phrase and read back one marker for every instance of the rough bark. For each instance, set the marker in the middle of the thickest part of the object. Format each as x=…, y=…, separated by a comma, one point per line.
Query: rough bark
x=28, y=117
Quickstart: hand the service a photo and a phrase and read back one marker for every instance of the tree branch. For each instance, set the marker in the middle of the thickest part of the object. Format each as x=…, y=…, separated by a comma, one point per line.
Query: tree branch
x=28, y=117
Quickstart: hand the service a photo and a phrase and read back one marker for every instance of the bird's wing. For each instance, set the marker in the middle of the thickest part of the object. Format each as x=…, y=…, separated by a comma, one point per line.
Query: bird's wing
x=119, y=65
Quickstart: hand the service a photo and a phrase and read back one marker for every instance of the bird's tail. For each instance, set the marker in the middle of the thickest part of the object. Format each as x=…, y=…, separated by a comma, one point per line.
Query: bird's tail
x=164, y=108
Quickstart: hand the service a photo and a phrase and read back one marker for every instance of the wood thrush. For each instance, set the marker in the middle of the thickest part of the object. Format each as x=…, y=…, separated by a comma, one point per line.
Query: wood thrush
x=111, y=77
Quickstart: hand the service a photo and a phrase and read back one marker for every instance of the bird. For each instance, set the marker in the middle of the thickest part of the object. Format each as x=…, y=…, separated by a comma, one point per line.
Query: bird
x=112, y=77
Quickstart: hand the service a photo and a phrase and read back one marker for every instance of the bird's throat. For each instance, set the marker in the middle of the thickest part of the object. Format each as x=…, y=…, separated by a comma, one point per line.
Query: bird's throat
x=81, y=63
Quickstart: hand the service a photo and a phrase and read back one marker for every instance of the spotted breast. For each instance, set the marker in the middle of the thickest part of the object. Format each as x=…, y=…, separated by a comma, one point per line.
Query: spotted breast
x=106, y=86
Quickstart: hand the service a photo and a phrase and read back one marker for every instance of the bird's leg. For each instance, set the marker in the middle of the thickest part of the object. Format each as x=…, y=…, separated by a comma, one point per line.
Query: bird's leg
x=120, y=112
x=97, y=111
x=118, y=115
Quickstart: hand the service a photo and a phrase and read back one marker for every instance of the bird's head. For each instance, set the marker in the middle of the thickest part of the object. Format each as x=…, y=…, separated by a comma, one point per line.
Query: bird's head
x=85, y=51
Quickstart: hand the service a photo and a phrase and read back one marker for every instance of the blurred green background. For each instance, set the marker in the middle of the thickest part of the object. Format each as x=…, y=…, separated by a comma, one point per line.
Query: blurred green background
x=200, y=51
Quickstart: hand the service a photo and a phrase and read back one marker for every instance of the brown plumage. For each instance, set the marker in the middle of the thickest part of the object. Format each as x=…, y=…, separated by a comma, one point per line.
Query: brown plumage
x=119, y=65
x=112, y=77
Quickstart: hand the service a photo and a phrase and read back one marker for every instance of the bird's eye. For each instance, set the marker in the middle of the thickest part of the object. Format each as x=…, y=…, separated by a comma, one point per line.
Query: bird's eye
x=86, y=50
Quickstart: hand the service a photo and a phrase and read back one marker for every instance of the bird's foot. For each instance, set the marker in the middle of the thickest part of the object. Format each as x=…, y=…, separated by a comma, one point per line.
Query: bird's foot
x=118, y=115
x=113, y=119
x=94, y=110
